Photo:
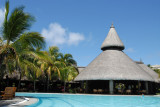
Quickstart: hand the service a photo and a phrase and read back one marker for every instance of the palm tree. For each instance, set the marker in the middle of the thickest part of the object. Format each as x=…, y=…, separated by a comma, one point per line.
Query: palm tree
x=67, y=59
x=54, y=51
x=69, y=71
x=50, y=63
x=33, y=71
x=17, y=42
x=68, y=74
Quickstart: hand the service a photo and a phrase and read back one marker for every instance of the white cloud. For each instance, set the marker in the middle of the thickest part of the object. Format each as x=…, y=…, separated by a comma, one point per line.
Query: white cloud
x=2, y=14
x=74, y=38
x=57, y=35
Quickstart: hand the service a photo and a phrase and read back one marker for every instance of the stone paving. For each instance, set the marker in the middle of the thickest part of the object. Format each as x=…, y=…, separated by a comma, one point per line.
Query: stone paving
x=18, y=102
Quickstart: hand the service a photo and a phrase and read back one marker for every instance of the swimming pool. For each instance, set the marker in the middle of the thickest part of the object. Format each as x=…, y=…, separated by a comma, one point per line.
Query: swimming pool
x=71, y=100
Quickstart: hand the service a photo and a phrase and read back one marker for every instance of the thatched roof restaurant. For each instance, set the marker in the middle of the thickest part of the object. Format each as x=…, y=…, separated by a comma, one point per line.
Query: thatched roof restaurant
x=113, y=64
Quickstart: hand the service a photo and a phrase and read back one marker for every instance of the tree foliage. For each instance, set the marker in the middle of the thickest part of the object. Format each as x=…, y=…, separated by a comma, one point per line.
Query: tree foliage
x=20, y=50
x=16, y=42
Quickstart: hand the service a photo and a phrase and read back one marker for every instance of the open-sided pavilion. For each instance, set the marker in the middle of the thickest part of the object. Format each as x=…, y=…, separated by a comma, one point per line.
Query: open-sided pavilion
x=115, y=72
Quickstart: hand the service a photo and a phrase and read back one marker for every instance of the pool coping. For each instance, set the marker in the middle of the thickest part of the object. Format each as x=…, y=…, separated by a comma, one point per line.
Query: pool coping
x=86, y=94
x=30, y=101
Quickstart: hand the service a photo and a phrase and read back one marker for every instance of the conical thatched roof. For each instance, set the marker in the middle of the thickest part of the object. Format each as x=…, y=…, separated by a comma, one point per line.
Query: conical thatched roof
x=112, y=40
x=113, y=63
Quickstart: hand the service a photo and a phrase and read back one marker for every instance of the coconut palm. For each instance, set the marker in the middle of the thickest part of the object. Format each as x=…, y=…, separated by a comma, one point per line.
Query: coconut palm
x=17, y=42
x=2, y=68
x=68, y=74
x=67, y=59
x=54, y=51
x=68, y=71
x=33, y=71
x=50, y=64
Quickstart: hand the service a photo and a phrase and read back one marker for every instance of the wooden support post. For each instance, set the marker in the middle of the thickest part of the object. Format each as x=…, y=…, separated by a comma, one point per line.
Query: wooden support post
x=138, y=87
x=146, y=85
x=111, y=84
x=86, y=90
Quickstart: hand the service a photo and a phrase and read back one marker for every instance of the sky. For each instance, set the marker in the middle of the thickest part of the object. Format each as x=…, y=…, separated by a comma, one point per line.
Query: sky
x=79, y=27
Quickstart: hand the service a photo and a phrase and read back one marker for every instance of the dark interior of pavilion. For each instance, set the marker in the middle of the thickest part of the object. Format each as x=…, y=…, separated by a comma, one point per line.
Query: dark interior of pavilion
x=131, y=87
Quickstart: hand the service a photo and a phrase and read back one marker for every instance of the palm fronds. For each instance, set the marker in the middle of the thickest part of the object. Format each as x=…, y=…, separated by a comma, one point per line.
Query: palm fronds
x=16, y=24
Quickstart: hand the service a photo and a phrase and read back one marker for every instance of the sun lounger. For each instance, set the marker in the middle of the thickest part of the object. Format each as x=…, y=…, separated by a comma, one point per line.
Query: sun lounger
x=144, y=92
x=94, y=90
x=14, y=90
x=9, y=93
x=100, y=91
x=128, y=91
x=120, y=91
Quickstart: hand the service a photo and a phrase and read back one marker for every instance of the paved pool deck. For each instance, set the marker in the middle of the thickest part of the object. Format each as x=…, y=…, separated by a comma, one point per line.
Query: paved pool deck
x=18, y=102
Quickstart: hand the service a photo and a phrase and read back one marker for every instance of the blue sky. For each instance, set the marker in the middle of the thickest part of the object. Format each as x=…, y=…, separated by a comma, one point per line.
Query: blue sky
x=80, y=27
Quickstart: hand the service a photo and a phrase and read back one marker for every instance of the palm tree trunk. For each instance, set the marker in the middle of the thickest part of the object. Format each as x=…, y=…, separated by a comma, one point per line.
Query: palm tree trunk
x=64, y=86
x=8, y=42
x=48, y=84
x=44, y=87
x=34, y=85
x=19, y=84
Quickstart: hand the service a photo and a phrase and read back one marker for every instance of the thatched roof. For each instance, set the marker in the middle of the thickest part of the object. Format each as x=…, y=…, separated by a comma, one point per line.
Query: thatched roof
x=80, y=69
x=150, y=72
x=113, y=64
x=112, y=40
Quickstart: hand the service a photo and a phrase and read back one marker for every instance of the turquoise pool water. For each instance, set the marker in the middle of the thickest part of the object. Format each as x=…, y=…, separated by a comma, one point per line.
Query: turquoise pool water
x=70, y=100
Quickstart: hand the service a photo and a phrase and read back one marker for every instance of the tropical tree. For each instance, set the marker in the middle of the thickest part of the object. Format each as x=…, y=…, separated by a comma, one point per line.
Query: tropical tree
x=50, y=64
x=2, y=69
x=157, y=71
x=68, y=71
x=2, y=66
x=67, y=74
x=54, y=52
x=67, y=59
x=33, y=71
x=17, y=41
x=149, y=65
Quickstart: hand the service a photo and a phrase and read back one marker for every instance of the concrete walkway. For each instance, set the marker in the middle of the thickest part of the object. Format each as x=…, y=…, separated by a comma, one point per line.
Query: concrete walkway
x=18, y=102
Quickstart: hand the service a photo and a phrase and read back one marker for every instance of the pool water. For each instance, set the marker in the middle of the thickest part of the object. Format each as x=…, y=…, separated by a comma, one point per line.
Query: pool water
x=71, y=100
